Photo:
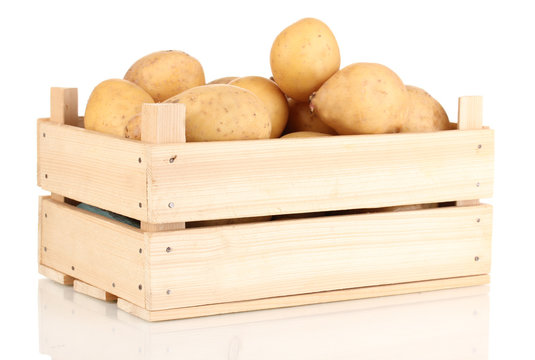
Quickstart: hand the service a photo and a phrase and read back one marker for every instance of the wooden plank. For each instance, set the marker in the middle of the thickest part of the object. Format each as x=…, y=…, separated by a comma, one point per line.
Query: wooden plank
x=302, y=299
x=64, y=106
x=250, y=261
x=55, y=275
x=280, y=176
x=97, y=169
x=162, y=124
x=470, y=117
x=93, y=291
x=63, y=110
x=95, y=250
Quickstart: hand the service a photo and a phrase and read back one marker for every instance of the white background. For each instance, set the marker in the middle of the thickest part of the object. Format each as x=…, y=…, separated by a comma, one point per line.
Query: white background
x=449, y=48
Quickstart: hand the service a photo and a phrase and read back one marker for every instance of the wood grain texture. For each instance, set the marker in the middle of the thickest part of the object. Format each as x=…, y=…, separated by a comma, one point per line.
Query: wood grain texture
x=162, y=124
x=97, y=169
x=470, y=117
x=64, y=106
x=251, y=261
x=94, y=249
x=220, y=180
x=302, y=299
x=90, y=290
x=63, y=110
x=55, y=275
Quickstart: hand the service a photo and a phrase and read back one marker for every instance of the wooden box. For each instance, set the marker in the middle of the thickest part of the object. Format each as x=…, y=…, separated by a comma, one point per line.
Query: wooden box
x=165, y=270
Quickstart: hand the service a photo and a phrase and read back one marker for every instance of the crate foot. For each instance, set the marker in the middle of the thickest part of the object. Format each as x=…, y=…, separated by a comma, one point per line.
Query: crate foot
x=90, y=290
x=55, y=275
x=302, y=299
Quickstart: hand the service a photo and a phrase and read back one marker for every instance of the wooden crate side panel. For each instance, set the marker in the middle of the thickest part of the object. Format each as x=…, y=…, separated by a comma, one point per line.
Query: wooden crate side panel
x=93, y=249
x=242, y=262
x=93, y=168
x=304, y=299
x=279, y=176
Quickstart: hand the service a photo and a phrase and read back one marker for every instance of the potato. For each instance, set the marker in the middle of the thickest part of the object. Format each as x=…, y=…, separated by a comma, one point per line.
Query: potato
x=195, y=224
x=223, y=80
x=112, y=104
x=301, y=118
x=166, y=73
x=304, y=56
x=271, y=96
x=303, y=134
x=425, y=113
x=133, y=128
x=223, y=112
x=362, y=98
x=453, y=126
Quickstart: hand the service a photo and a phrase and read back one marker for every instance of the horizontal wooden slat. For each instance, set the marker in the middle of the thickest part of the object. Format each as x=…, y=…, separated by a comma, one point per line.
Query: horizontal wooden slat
x=252, y=261
x=90, y=290
x=279, y=176
x=93, y=249
x=55, y=275
x=302, y=299
x=93, y=168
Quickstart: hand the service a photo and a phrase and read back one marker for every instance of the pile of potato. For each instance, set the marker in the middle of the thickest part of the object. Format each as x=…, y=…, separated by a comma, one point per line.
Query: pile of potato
x=308, y=95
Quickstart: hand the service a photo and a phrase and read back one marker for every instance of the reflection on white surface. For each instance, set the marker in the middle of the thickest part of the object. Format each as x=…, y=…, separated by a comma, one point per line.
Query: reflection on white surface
x=448, y=324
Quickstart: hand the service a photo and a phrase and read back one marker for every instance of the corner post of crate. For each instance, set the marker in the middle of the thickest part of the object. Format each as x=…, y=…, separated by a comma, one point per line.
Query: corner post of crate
x=470, y=117
x=162, y=124
x=63, y=110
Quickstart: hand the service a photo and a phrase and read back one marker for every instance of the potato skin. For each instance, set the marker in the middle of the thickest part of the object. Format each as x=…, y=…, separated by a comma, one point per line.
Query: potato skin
x=362, y=98
x=425, y=113
x=112, y=104
x=223, y=112
x=223, y=80
x=271, y=96
x=301, y=118
x=133, y=128
x=166, y=73
x=304, y=56
x=303, y=134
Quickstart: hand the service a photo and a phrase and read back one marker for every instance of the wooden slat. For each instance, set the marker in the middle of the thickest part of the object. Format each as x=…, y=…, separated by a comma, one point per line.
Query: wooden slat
x=97, y=169
x=162, y=124
x=55, y=275
x=63, y=110
x=470, y=117
x=279, y=176
x=94, y=249
x=251, y=261
x=93, y=291
x=302, y=299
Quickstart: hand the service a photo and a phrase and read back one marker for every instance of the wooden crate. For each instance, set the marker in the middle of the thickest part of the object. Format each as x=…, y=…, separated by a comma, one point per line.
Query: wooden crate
x=164, y=270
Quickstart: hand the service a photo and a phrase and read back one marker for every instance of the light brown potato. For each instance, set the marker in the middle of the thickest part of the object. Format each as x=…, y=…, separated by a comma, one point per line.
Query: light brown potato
x=223, y=112
x=303, y=134
x=301, y=118
x=166, y=73
x=223, y=80
x=271, y=96
x=425, y=113
x=453, y=126
x=304, y=56
x=195, y=224
x=362, y=98
x=133, y=128
x=112, y=104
